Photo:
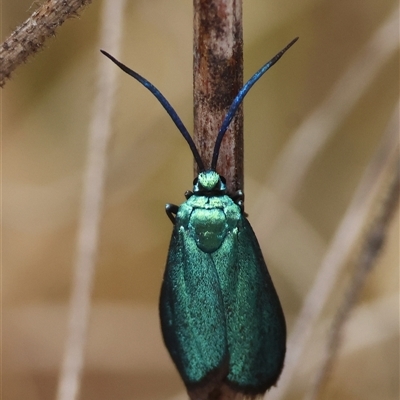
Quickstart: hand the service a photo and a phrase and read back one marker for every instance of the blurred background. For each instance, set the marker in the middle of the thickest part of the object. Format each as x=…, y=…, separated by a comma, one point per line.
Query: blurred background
x=46, y=113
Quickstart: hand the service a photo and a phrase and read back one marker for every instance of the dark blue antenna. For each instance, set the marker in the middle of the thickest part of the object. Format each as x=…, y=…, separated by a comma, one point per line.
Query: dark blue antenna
x=239, y=98
x=164, y=102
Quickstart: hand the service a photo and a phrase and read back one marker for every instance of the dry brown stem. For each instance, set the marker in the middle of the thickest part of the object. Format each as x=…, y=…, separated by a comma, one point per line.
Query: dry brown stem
x=373, y=243
x=217, y=78
x=29, y=37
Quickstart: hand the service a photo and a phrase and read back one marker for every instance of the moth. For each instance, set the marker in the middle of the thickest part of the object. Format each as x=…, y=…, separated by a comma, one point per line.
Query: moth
x=221, y=318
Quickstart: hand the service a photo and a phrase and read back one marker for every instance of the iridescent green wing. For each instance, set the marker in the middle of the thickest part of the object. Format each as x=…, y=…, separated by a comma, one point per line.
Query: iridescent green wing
x=256, y=324
x=192, y=312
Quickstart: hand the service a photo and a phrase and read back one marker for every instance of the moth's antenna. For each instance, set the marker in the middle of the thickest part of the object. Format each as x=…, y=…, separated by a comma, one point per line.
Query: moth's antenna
x=164, y=102
x=239, y=98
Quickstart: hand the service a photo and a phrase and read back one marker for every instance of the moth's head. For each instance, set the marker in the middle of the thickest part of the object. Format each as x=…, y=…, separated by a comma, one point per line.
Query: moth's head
x=209, y=182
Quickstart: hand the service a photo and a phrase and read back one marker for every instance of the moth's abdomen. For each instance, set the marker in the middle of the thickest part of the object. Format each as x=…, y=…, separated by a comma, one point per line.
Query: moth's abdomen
x=209, y=228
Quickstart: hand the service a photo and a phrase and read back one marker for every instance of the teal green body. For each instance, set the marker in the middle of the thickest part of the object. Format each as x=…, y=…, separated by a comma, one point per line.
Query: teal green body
x=221, y=318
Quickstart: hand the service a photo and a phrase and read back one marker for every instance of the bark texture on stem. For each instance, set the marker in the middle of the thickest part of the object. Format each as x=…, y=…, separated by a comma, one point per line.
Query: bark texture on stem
x=29, y=37
x=217, y=78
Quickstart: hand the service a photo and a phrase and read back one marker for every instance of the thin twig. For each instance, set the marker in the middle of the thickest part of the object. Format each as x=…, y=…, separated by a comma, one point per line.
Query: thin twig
x=29, y=38
x=347, y=234
x=217, y=78
x=373, y=243
x=93, y=191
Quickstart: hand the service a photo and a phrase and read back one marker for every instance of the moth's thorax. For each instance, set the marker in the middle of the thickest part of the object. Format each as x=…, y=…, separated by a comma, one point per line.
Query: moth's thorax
x=209, y=183
x=208, y=220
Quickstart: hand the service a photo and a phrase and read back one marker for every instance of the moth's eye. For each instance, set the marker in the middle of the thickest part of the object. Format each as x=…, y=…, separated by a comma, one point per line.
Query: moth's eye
x=222, y=179
x=195, y=180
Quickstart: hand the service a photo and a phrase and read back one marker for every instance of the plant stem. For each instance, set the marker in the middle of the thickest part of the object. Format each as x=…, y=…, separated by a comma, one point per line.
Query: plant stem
x=29, y=37
x=217, y=78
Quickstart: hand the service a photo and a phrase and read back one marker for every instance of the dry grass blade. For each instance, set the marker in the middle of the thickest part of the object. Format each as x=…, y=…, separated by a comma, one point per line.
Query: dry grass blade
x=313, y=134
x=93, y=189
x=343, y=242
x=374, y=241
x=291, y=168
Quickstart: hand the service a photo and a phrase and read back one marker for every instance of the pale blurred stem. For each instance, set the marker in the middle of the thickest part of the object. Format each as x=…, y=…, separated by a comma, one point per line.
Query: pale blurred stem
x=291, y=169
x=30, y=37
x=91, y=208
x=310, y=138
x=373, y=242
x=349, y=232
x=217, y=78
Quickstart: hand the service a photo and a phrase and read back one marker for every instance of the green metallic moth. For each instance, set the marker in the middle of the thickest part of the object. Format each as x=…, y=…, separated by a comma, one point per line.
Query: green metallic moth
x=221, y=318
